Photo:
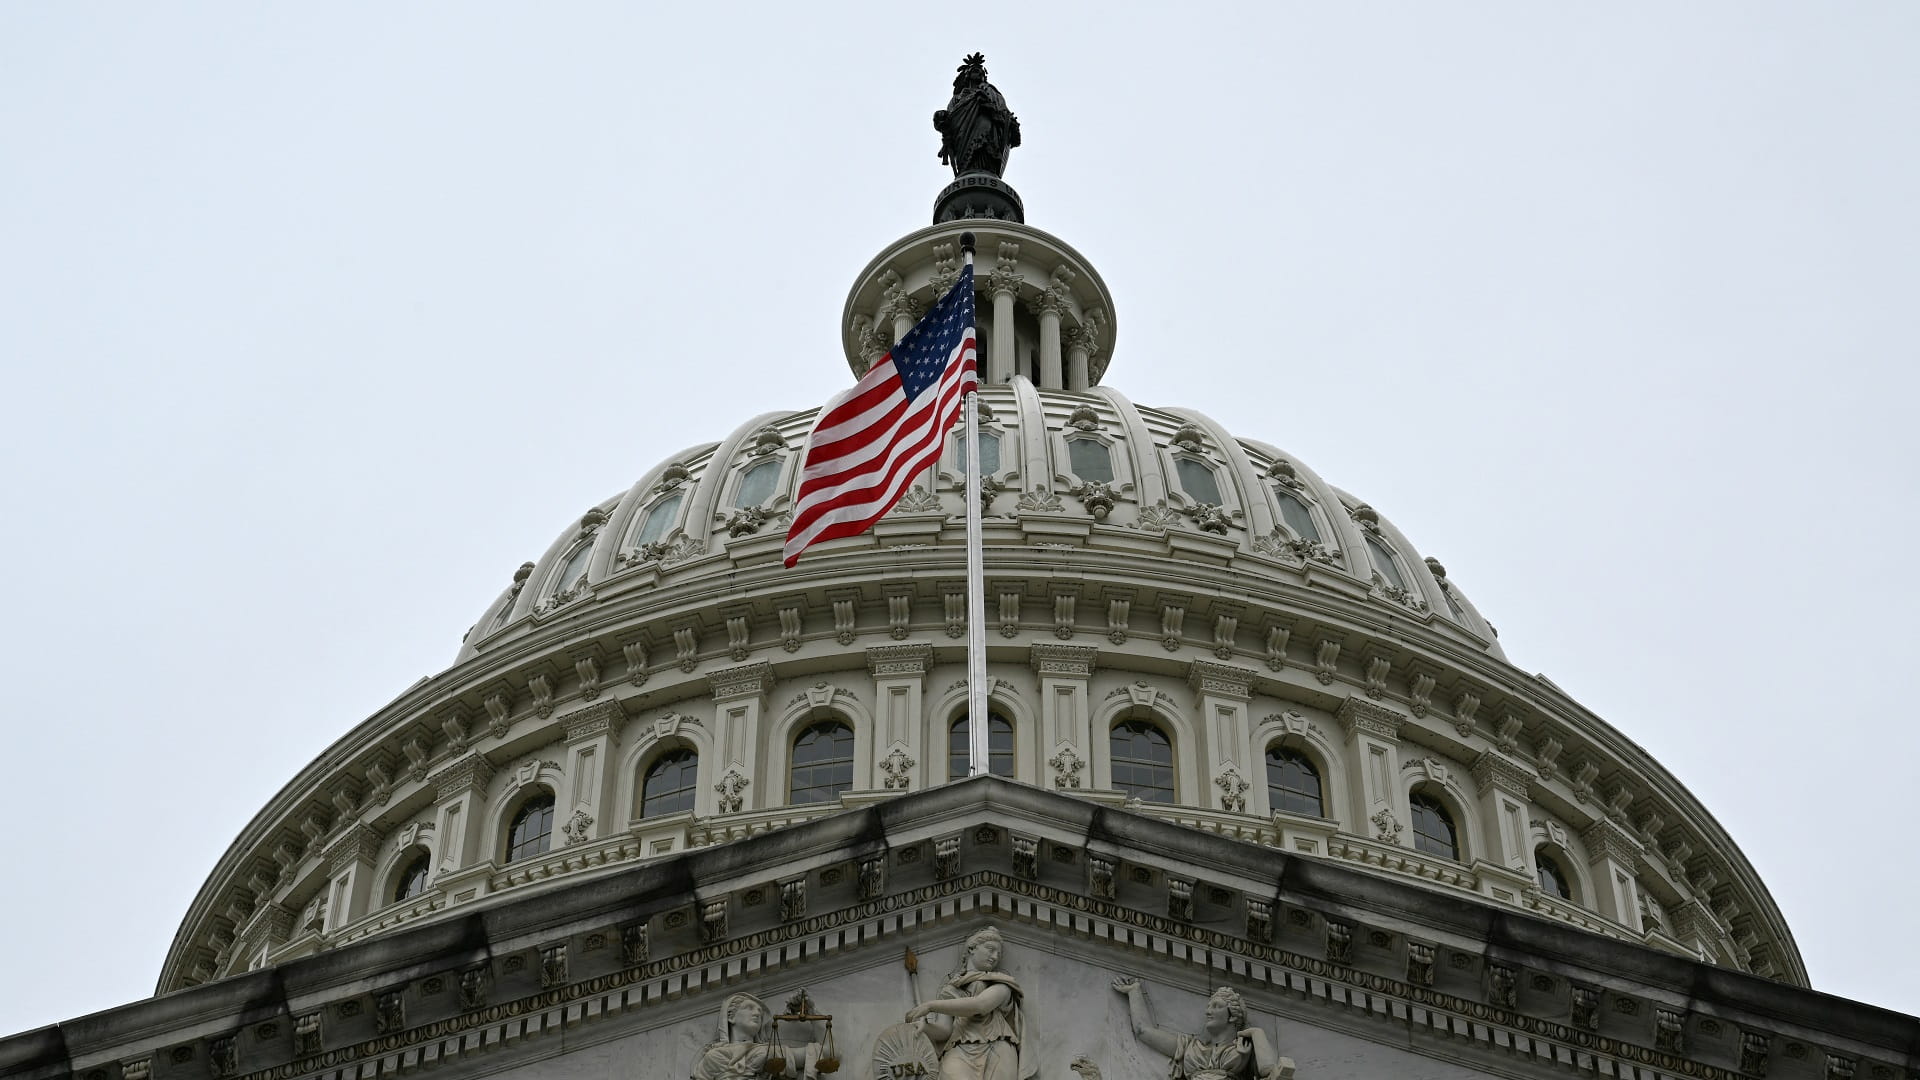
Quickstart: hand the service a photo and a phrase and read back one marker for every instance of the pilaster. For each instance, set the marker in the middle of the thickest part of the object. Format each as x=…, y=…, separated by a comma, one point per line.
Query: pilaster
x=1066, y=720
x=459, y=792
x=1615, y=860
x=739, y=700
x=899, y=688
x=1373, y=770
x=1501, y=784
x=349, y=862
x=584, y=803
x=1222, y=692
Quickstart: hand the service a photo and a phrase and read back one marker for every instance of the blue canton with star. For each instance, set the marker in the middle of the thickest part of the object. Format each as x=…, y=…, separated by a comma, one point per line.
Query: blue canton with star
x=921, y=356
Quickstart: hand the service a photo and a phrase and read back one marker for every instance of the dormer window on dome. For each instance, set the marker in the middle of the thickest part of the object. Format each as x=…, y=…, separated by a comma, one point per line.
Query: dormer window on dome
x=1090, y=459
x=657, y=521
x=1197, y=479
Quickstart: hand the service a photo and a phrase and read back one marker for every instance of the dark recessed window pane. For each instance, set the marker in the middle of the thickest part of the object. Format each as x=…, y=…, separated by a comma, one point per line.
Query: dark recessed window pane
x=1433, y=827
x=413, y=880
x=1090, y=460
x=1197, y=480
x=670, y=784
x=756, y=486
x=1296, y=515
x=1552, y=881
x=999, y=747
x=989, y=453
x=822, y=763
x=1293, y=784
x=1383, y=562
x=1142, y=760
x=532, y=828
x=659, y=520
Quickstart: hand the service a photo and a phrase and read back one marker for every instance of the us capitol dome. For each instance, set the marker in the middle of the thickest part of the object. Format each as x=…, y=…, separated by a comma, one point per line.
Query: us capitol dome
x=1186, y=623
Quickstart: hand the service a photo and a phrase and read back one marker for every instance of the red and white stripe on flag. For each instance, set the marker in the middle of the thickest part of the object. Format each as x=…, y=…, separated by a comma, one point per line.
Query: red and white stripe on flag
x=870, y=443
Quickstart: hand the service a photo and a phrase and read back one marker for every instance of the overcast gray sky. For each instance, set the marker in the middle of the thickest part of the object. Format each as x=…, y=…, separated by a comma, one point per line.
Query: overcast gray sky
x=317, y=321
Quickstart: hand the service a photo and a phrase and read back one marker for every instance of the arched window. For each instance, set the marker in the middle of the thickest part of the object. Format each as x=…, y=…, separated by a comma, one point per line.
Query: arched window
x=822, y=763
x=1090, y=460
x=1383, y=562
x=532, y=828
x=670, y=784
x=999, y=747
x=756, y=484
x=574, y=573
x=1296, y=515
x=1293, y=784
x=1197, y=480
x=1553, y=881
x=659, y=519
x=1141, y=756
x=413, y=878
x=989, y=452
x=1433, y=830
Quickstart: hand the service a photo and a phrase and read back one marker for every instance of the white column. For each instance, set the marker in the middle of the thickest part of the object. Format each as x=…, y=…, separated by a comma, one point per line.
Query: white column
x=1052, y=377
x=1003, y=284
x=899, y=685
x=350, y=871
x=1079, y=343
x=1373, y=771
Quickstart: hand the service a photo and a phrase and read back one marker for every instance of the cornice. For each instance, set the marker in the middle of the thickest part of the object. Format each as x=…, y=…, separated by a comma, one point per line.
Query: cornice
x=743, y=681
x=1223, y=680
x=892, y=661
x=602, y=718
x=470, y=773
x=1052, y=660
x=1357, y=714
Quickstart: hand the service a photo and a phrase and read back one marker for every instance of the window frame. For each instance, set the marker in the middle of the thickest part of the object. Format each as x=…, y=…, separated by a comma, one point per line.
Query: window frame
x=1282, y=746
x=1172, y=764
x=794, y=764
x=414, y=859
x=1446, y=813
x=672, y=754
x=530, y=803
x=637, y=534
x=1012, y=753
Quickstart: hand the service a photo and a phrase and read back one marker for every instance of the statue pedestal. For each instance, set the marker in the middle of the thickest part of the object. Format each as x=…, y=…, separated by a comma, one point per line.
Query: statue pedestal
x=978, y=195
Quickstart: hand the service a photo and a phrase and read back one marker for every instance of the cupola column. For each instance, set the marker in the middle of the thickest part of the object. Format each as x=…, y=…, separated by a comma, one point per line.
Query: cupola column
x=1079, y=343
x=1373, y=770
x=1052, y=377
x=1003, y=285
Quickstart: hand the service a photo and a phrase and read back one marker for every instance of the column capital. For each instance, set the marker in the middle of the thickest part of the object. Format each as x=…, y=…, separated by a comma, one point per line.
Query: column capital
x=895, y=661
x=1357, y=714
x=1062, y=661
x=1605, y=840
x=741, y=681
x=1223, y=680
x=358, y=844
x=470, y=773
x=1495, y=770
x=593, y=721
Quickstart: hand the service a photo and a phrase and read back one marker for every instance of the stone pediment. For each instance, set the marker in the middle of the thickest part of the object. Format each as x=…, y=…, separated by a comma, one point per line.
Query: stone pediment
x=629, y=974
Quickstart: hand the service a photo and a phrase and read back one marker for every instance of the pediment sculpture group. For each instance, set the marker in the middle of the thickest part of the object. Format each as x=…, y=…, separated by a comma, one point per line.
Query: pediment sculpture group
x=978, y=1027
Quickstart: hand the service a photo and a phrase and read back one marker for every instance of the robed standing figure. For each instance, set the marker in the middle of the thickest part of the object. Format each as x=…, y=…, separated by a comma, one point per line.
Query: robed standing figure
x=978, y=1020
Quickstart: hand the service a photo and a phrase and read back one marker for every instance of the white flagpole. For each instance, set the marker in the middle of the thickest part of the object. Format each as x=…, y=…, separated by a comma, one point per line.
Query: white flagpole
x=976, y=574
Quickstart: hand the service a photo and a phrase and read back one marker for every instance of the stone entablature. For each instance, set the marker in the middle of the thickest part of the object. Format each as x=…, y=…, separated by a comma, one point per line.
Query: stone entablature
x=1317, y=945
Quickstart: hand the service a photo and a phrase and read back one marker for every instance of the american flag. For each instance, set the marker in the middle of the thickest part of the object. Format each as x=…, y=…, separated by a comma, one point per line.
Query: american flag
x=871, y=441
